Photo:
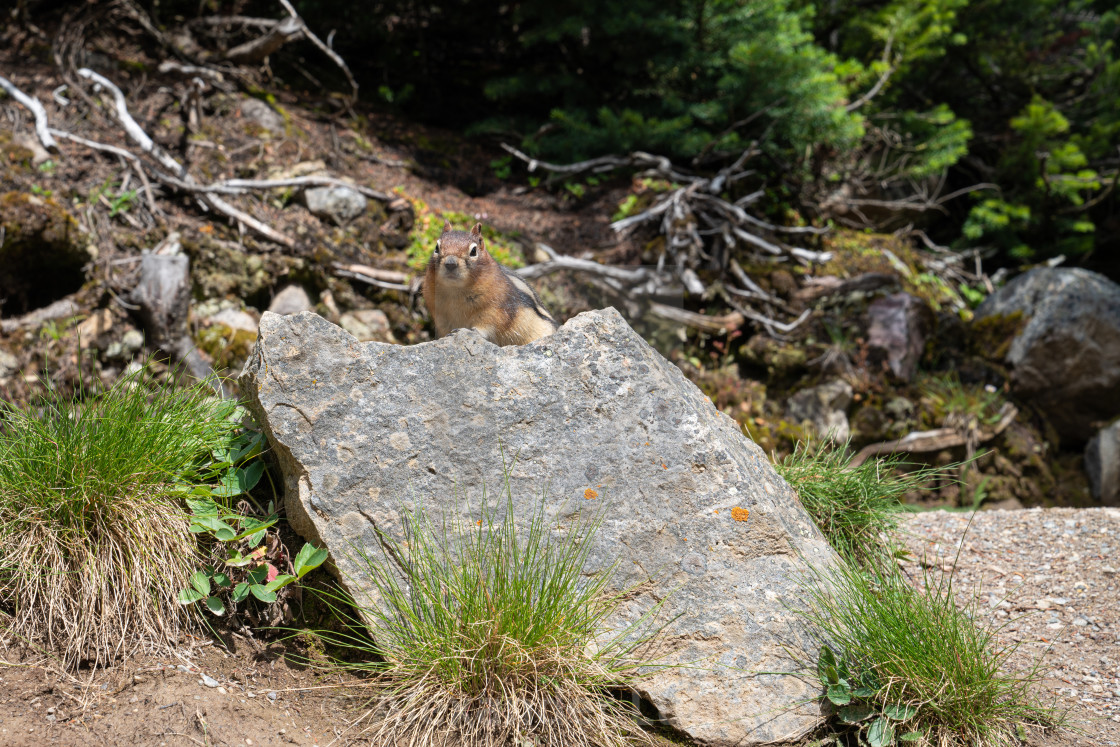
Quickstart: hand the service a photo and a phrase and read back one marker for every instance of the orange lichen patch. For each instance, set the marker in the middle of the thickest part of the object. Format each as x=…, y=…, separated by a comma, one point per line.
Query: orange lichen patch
x=479, y=522
x=717, y=510
x=740, y=514
x=590, y=494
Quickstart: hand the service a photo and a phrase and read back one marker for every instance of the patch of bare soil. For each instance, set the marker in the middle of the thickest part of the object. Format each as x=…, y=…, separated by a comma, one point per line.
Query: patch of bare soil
x=1049, y=578
x=199, y=695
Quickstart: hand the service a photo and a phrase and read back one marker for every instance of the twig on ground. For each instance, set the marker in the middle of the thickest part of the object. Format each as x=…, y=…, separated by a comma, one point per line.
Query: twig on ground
x=937, y=439
x=36, y=107
x=148, y=146
x=326, y=49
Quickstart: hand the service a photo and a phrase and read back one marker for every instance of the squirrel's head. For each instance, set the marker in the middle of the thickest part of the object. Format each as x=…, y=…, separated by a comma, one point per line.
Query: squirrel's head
x=459, y=256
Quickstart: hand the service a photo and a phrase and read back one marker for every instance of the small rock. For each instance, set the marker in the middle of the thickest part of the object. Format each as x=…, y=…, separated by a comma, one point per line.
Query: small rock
x=337, y=203
x=897, y=329
x=824, y=408
x=51, y=709
x=222, y=690
x=1102, y=463
x=260, y=113
x=237, y=321
x=273, y=695
x=99, y=323
x=367, y=325
x=250, y=695
x=132, y=341
x=9, y=364
x=291, y=300
x=209, y=681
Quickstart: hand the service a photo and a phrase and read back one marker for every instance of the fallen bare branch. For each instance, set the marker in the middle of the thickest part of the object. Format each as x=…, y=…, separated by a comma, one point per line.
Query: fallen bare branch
x=937, y=439
x=326, y=49
x=410, y=288
x=388, y=276
x=148, y=146
x=36, y=107
x=714, y=324
x=255, y=50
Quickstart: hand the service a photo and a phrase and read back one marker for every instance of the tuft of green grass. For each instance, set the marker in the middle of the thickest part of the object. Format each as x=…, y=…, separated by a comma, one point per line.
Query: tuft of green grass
x=94, y=544
x=856, y=508
x=494, y=635
x=909, y=661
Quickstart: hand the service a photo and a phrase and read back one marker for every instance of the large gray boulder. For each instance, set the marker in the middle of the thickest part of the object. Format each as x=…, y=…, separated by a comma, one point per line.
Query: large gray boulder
x=360, y=428
x=1065, y=358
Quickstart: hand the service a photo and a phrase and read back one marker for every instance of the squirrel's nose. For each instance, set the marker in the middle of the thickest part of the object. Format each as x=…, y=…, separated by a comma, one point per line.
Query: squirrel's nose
x=451, y=263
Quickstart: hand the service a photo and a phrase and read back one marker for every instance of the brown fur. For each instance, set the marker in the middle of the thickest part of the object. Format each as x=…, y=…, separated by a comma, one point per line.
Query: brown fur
x=462, y=291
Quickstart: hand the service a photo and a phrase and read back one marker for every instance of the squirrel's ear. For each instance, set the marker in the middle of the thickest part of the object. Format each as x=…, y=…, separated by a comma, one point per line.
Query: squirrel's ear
x=477, y=230
x=446, y=225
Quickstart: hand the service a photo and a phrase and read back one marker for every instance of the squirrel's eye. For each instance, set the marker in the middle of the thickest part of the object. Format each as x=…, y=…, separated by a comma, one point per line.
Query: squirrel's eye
x=474, y=250
x=437, y=246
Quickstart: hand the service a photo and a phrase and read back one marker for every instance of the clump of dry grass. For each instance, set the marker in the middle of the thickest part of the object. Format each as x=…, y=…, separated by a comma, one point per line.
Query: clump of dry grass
x=94, y=546
x=486, y=636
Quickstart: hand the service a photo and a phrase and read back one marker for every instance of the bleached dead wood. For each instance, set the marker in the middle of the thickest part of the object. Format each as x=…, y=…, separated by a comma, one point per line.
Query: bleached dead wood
x=147, y=145
x=937, y=439
x=36, y=108
x=255, y=50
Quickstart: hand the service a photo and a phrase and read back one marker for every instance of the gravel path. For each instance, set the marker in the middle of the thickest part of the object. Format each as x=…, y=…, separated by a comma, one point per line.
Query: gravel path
x=1051, y=577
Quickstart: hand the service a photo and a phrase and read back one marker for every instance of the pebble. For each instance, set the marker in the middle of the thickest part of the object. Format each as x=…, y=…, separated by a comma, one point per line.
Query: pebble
x=222, y=690
x=209, y=681
x=273, y=695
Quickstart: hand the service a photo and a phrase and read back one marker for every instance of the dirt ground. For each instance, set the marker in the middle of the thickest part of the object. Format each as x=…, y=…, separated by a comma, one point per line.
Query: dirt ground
x=1049, y=577
x=201, y=695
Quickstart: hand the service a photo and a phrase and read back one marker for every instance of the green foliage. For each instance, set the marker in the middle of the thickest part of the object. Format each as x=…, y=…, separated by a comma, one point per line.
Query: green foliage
x=675, y=78
x=902, y=664
x=480, y=624
x=857, y=508
x=93, y=543
x=235, y=471
x=859, y=702
x=429, y=227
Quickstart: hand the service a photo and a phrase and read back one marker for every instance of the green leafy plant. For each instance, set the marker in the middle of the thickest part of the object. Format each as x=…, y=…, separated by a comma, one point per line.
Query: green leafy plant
x=122, y=202
x=502, y=167
x=94, y=544
x=496, y=633
x=902, y=664
x=854, y=696
x=246, y=566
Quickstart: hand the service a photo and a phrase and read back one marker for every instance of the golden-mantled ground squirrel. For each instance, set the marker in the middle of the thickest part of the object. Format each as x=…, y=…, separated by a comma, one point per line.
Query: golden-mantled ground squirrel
x=465, y=287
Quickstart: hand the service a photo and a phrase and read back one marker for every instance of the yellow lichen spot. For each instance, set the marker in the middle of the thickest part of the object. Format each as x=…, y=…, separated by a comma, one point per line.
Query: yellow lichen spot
x=740, y=514
x=590, y=494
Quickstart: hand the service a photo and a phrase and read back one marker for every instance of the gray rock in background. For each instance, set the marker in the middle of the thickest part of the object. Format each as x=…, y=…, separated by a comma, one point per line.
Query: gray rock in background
x=340, y=204
x=262, y=114
x=897, y=329
x=292, y=299
x=367, y=325
x=1066, y=358
x=359, y=428
x=824, y=408
x=1102, y=463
